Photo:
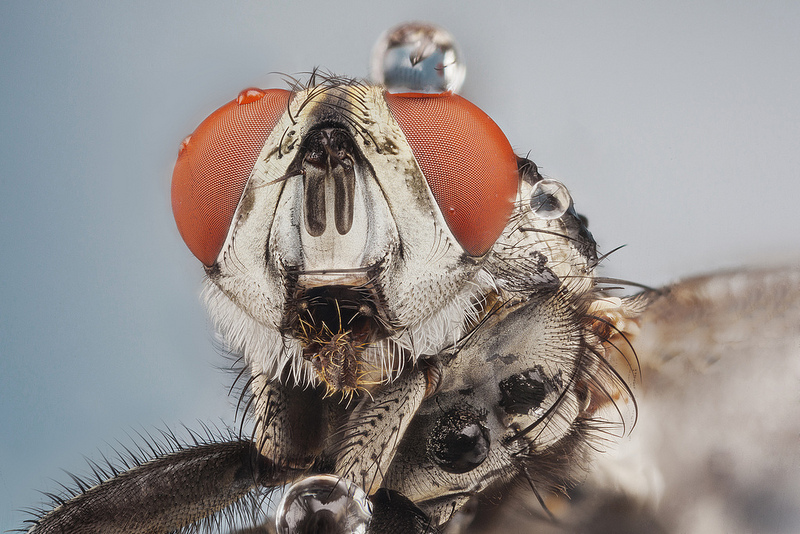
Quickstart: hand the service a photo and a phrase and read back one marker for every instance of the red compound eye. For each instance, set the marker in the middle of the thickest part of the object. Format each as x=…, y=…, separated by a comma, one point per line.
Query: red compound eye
x=467, y=161
x=214, y=164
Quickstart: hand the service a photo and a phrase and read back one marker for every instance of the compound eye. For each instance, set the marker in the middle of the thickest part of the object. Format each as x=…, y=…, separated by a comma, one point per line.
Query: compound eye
x=214, y=164
x=467, y=161
x=459, y=441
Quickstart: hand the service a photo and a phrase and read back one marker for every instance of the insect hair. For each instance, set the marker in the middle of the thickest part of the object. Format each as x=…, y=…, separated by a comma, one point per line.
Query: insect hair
x=143, y=448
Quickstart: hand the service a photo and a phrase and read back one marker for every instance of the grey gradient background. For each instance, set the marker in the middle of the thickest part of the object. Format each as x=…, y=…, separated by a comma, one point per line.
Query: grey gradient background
x=676, y=127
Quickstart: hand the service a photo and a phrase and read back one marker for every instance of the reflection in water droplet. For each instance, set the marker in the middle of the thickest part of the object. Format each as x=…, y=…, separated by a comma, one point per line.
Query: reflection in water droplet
x=417, y=57
x=550, y=199
x=323, y=503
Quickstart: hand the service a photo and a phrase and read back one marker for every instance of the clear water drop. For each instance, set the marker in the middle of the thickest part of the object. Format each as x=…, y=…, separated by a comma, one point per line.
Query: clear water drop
x=323, y=503
x=417, y=57
x=550, y=199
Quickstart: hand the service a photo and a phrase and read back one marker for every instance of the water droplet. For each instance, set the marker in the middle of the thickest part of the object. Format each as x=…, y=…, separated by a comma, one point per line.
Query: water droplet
x=250, y=95
x=550, y=199
x=323, y=503
x=417, y=57
x=184, y=144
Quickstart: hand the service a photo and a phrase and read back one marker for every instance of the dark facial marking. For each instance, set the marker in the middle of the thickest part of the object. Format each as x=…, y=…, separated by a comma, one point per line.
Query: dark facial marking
x=526, y=391
x=327, y=155
x=459, y=441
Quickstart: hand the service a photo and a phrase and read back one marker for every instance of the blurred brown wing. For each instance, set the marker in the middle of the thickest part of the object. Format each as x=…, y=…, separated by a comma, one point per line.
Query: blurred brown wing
x=720, y=411
x=717, y=444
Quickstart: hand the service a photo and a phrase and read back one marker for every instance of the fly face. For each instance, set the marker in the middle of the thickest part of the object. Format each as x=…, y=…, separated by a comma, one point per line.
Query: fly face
x=418, y=313
x=378, y=231
x=353, y=249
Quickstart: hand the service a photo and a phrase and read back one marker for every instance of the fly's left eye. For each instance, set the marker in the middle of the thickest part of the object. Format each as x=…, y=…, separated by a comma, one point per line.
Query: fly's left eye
x=214, y=164
x=467, y=161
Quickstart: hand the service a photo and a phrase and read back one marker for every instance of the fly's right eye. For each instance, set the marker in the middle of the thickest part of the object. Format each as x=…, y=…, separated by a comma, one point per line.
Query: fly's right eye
x=214, y=164
x=467, y=161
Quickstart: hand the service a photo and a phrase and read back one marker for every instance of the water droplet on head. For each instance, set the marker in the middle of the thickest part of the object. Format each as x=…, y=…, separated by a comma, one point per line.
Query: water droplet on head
x=417, y=57
x=323, y=503
x=550, y=199
x=184, y=144
x=250, y=95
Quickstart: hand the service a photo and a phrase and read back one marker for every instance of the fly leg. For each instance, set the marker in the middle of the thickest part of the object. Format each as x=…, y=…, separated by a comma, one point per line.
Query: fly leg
x=292, y=423
x=167, y=493
x=357, y=455
x=374, y=429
